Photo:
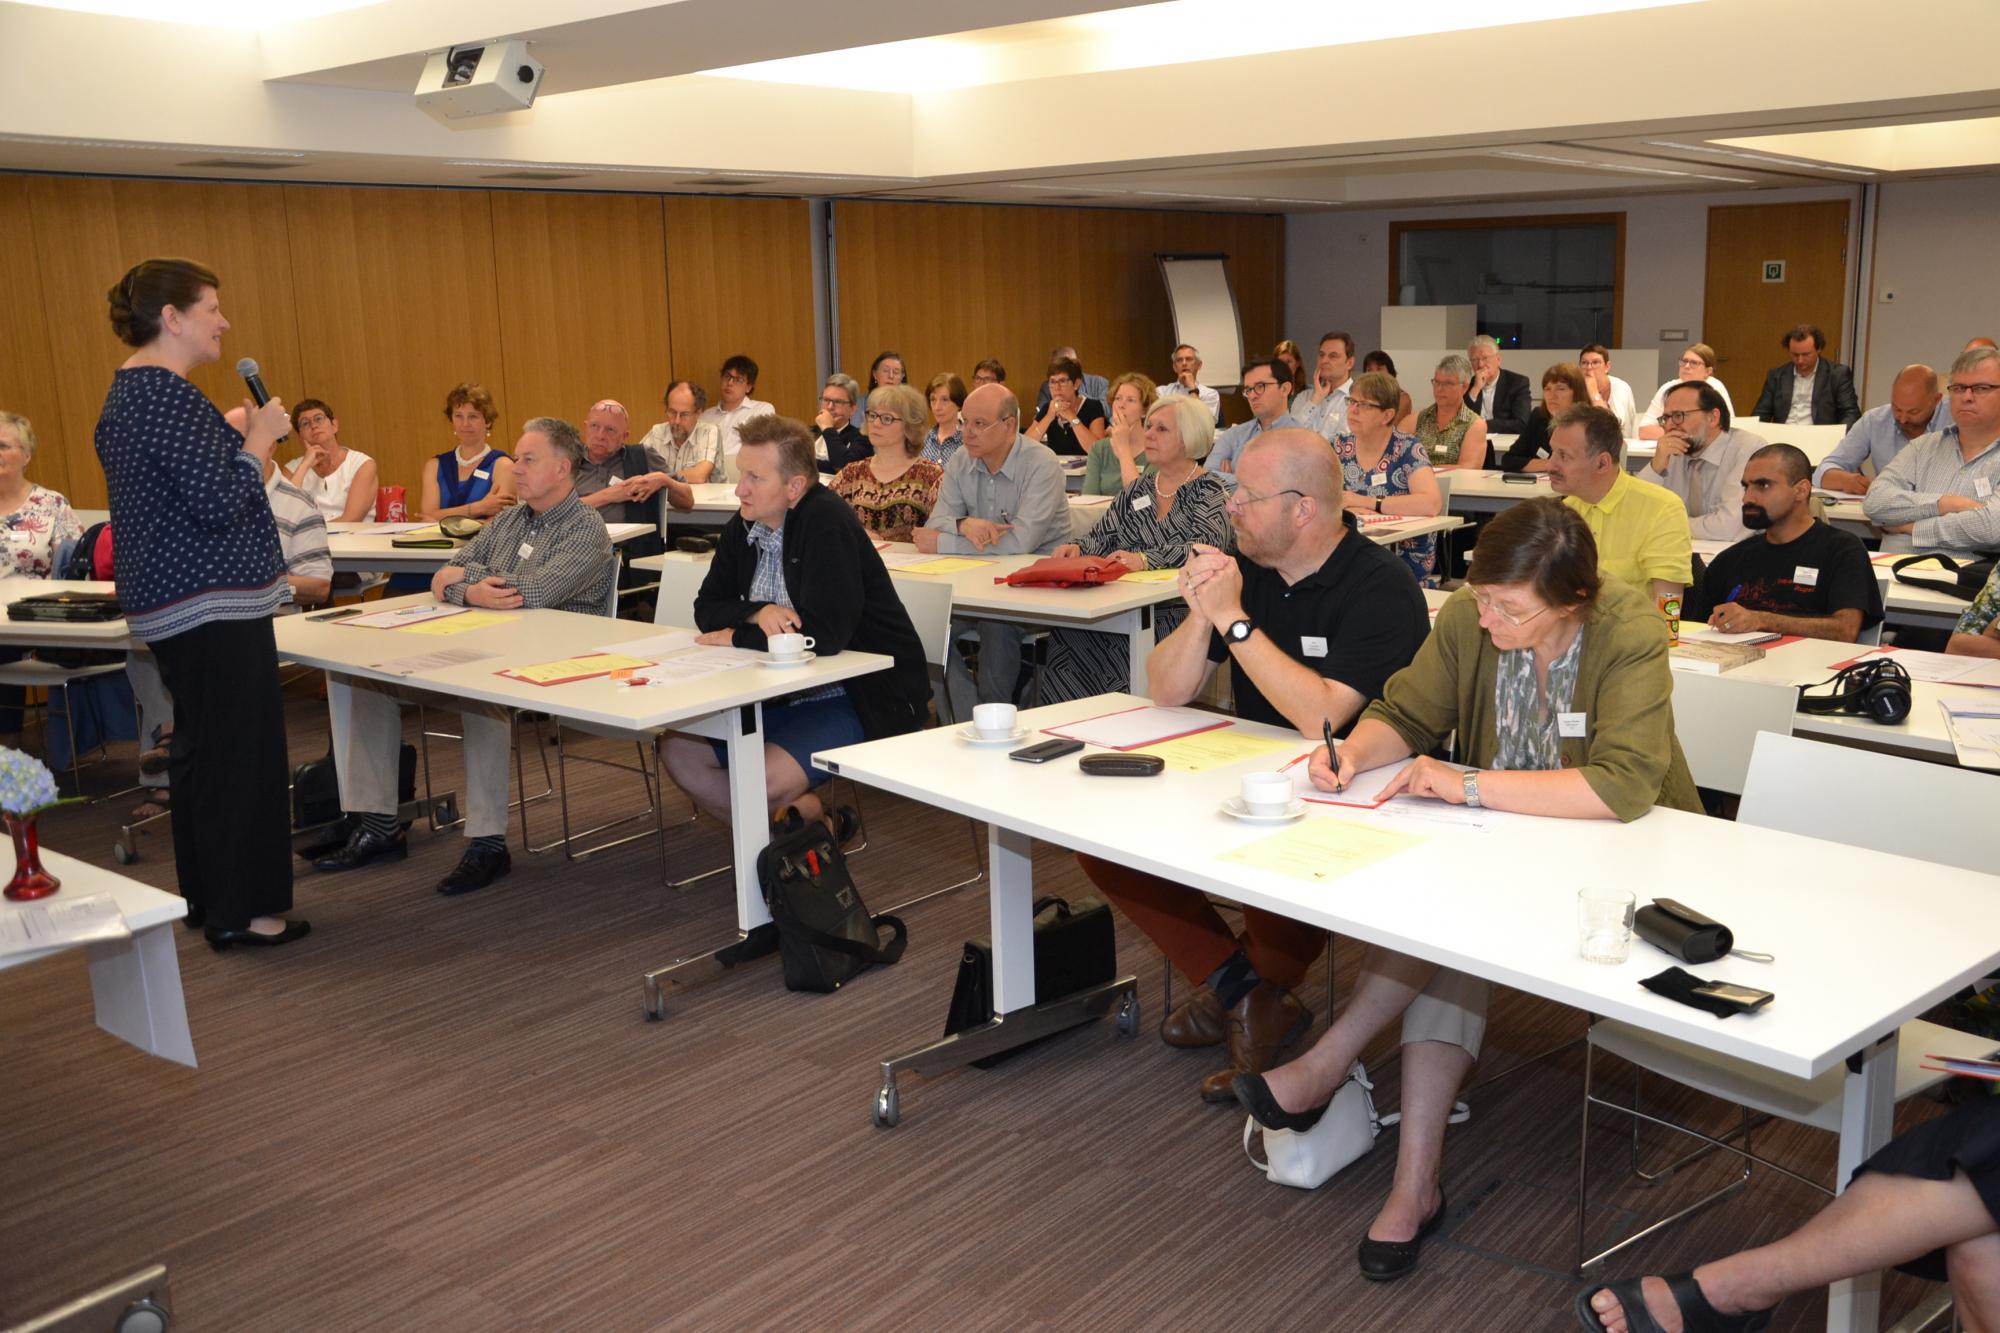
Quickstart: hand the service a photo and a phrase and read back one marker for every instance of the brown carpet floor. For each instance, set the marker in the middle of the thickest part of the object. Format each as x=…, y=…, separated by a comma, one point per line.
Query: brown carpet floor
x=449, y=1114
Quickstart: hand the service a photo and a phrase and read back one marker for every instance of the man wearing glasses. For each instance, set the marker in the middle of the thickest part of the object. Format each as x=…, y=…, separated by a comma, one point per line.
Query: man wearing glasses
x=1313, y=619
x=1941, y=493
x=840, y=441
x=1267, y=386
x=1701, y=460
x=1916, y=407
x=739, y=381
x=684, y=446
x=1500, y=397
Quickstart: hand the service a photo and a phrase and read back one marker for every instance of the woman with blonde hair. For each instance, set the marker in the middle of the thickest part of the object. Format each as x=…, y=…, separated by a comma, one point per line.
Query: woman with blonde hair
x=1119, y=459
x=1696, y=366
x=894, y=488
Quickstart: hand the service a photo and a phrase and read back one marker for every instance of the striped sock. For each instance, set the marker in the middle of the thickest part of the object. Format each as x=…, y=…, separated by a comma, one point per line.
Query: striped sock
x=382, y=826
x=496, y=842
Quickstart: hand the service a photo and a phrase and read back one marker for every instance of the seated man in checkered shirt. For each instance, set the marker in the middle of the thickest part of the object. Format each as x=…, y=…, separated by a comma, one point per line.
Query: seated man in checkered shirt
x=550, y=551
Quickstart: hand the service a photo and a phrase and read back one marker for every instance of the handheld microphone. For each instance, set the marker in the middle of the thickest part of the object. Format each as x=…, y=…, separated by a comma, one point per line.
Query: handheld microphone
x=254, y=381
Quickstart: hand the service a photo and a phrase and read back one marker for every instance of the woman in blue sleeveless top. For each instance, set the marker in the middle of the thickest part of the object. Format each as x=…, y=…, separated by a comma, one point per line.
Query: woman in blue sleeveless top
x=471, y=479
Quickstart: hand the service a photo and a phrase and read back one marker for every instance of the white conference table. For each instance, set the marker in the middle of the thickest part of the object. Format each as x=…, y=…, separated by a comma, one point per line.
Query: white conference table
x=135, y=982
x=724, y=706
x=356, y=549
x=114, y=634
x=1498, y=901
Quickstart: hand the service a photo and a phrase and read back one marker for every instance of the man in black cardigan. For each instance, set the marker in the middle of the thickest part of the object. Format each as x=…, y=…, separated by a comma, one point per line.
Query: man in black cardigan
x=795, y=559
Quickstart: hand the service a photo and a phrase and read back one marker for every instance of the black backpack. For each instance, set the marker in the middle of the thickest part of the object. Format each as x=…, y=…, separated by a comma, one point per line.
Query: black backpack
x=825, y=935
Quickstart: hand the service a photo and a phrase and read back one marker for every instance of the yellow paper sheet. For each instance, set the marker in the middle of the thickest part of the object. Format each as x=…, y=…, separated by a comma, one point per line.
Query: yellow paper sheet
x=1320, y=849
x=1216, y=749
x=1151, y=576
x=944, y=564
x=594, y=665
x=457, y=624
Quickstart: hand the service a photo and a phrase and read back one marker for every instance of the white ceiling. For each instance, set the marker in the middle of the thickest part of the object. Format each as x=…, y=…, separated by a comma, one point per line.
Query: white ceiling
x=1071, y=102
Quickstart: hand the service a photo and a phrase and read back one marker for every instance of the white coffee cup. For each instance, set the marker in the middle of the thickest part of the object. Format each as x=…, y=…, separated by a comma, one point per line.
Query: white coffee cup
x=790, y=647
x=993, y=719
x=1267, y=793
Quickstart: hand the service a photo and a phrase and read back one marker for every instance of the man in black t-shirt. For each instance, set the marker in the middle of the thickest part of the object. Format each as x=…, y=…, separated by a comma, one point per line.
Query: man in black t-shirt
x=1794, y=574
x=1313, y=618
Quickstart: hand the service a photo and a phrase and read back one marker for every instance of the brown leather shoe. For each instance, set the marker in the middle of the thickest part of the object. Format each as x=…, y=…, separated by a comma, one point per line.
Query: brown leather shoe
x=1198, y=1020
x=1262, y=1024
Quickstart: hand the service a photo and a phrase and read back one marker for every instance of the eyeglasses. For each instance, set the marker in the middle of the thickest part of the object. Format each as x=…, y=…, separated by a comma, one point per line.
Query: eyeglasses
x=884, y=419
x=1251, y=390
x=307, y=423
x=1972, y=390
x=1676, y=418
x=1488, y=604
x=825, y=401
x=735, y=377
x=1694, y=361
x=1446, y=383
x=1242, y=499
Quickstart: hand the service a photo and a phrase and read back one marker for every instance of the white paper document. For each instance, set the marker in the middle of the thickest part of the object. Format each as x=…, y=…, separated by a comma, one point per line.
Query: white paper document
x=53, y=922
x=1704, y=634
x=405, y=615
x=1974, y=727
x=443, y=657
x=386, y=529
x=904, y=559
x=694, y=663
x=1134, y=727
x=1943, y=668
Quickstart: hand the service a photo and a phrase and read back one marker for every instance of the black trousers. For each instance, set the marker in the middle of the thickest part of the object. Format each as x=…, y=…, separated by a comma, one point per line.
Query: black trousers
x=228, y=767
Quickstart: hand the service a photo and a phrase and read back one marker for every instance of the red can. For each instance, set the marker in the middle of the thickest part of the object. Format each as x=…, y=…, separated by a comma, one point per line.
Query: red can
x=389, y=506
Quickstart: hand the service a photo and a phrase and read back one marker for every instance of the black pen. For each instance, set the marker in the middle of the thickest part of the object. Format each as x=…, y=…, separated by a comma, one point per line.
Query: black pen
x=1332, y=760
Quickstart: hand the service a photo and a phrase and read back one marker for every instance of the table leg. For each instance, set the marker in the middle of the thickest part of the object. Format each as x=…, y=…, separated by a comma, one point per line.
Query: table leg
x=137, y=985
x=1867, y=1119
x=1138, y=627
x=1017, y=1018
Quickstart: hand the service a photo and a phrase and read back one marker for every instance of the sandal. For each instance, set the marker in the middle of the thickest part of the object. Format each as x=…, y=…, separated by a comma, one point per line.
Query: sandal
x=153, y=762
x=1697, y=1315
x=158, y=802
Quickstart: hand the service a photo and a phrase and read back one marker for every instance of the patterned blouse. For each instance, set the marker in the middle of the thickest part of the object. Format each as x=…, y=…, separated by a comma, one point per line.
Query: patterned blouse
x=890, y=509
x=939, y=451
x=1528, y=724
x=1133, y=522
x=1443, y=445
x=1400, y=461
x=30, y=535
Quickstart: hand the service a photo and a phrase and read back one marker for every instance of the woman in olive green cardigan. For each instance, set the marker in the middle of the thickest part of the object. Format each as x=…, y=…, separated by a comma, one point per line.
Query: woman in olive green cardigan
x=1558, y=687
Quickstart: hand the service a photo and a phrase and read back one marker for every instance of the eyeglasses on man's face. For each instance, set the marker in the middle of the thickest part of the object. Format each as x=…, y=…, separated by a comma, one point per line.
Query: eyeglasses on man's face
x=1971, y=390
x=1241, y=498
x=829, y=400
x=1251, y=388
x=1672, y=420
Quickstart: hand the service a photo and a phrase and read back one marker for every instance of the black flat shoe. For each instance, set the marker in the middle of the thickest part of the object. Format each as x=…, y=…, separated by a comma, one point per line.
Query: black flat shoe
x=476, y=869
x=1255, y=1094
x=1387, y=1260
x=361, y=848
x=196, y=917
x=219, y=939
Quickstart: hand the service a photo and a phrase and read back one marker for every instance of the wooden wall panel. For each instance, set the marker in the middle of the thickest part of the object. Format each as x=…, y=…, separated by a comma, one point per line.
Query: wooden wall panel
x=739, y=279
x=27, y=371
x=949, y=284
x=398, y=301
x=583, y=303
x=89, y=232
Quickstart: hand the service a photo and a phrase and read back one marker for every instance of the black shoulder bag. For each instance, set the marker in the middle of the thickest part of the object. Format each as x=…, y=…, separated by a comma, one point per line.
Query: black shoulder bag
x=825, y=935
x=1966, y=579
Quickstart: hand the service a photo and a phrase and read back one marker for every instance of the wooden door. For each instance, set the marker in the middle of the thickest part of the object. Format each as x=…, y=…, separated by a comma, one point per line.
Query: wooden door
x=1743, y=315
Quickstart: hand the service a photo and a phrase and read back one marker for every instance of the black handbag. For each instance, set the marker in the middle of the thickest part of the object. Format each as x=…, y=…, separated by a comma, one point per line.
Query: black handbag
x=825, y=935
x=1075, y=948
x=1966, y=577
x=1682, y=932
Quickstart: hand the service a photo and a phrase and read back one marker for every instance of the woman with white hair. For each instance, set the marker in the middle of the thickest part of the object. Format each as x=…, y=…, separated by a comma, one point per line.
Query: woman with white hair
x=1149, y=526
x=34, y=521
x=1451, y=432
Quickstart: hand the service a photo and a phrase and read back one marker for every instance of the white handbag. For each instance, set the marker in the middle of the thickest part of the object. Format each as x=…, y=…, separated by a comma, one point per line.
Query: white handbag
x=1307, y=1159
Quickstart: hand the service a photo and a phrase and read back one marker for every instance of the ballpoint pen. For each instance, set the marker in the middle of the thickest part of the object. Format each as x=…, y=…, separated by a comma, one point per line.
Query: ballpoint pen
x=1332, y=761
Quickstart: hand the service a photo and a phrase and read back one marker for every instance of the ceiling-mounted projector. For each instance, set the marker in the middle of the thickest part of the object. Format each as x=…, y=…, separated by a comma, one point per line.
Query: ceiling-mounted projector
x=479, y=79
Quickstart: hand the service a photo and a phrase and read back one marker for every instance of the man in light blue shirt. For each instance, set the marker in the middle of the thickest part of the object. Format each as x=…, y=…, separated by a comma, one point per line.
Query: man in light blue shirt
x=1002, y=494
x=1321, y=405
x=1915, y=409
x=1268, y=387
x=1943, y=492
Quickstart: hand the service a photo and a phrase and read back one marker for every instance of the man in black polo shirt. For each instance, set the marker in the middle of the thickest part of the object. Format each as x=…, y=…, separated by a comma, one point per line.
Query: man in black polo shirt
x=1794, y=574
x=1313, y=619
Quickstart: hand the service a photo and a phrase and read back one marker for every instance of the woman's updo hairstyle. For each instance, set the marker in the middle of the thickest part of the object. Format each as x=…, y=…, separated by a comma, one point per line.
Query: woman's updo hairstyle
x=149, y=286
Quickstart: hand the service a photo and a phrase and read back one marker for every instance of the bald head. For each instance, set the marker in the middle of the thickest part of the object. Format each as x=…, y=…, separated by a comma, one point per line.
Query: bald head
x=990, y=423
x=1987, y=343
x=1913, y=398
x=995, y=402
x=1299, y=460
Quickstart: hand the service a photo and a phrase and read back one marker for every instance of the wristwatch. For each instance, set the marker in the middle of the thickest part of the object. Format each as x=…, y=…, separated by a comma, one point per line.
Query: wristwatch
x=1472, y=788
x=1238, y=631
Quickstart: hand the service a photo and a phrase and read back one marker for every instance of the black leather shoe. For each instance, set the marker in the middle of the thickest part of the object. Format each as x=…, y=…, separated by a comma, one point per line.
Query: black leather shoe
x=1387, y=1260
x=196, y=917
x=220, y=939
x=476, y=869
x=1255, y=1094
x=363, y=847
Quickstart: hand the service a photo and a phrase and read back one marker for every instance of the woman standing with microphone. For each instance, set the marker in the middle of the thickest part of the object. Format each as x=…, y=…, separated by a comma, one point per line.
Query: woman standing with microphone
x=200, y=575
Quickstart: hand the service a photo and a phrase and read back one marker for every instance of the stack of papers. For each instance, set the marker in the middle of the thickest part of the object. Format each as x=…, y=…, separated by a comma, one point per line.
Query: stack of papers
x=55, y=922
x=401, y=616
x=1974, y=727
x=1705, y=634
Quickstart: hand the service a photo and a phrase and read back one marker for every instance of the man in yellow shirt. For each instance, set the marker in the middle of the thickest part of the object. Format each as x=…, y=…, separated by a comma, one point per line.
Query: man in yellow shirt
x=1642, y=531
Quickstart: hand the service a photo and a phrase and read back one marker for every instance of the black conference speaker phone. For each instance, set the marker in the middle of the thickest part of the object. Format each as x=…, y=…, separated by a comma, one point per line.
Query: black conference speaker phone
x=1877, y=689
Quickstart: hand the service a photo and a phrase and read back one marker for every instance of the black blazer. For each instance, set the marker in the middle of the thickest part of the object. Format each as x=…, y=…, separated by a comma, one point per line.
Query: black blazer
x=1833, y=401
x=844, y=446
x=842, y=593
x=1531, y=444
x=1512, y=404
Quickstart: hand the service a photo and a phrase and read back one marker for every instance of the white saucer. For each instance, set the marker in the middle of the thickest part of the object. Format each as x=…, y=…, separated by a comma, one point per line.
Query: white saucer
x=1235, y=808
x=790, y=661
x=970, y=735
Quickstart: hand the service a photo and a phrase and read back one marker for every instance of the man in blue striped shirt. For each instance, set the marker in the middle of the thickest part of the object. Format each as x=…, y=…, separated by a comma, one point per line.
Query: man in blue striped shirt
x=1943, y=492
x=1915, y=409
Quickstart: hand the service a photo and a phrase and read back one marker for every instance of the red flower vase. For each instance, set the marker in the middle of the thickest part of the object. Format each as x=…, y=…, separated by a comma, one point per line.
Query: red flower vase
x=30, y=880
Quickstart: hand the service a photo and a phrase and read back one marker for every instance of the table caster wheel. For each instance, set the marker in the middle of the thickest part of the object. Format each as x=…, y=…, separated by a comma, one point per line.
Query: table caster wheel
x=122, y=854
x=1128, y=1015
x=888, y=1107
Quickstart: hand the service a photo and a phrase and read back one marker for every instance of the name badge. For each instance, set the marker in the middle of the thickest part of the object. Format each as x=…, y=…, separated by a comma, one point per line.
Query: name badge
x=1379, y=479
x=1569, y=724
x=1541, y=451
x=1312, y=646
x=482, y=474
x=1982, y=487
x=1805, y=576
x=1143, y=502
x=525, y=551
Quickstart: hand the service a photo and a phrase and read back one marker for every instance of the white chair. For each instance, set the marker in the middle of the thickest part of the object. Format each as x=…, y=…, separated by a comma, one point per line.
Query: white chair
x=31, y=673
x=1807, y=787
x=1717, y=718
x=928, y=602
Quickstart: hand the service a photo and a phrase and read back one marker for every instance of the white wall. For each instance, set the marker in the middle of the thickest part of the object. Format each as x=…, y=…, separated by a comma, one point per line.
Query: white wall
x=1934, y=248
x=1337, y=264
